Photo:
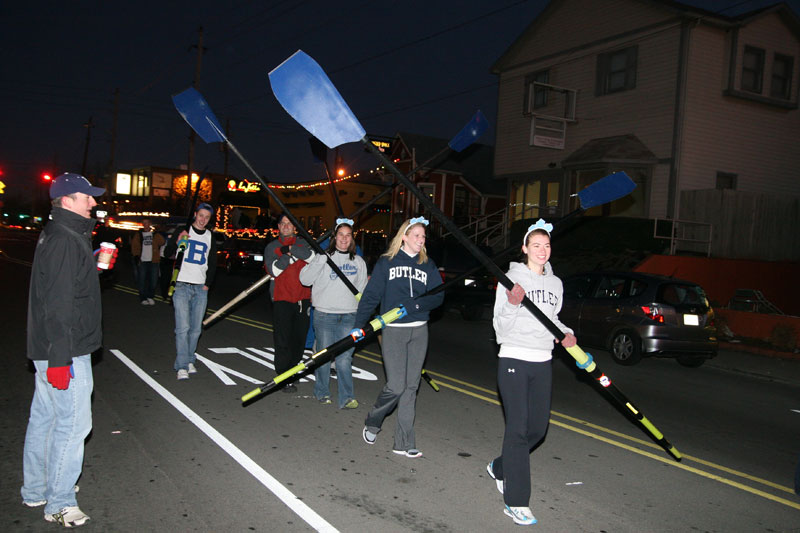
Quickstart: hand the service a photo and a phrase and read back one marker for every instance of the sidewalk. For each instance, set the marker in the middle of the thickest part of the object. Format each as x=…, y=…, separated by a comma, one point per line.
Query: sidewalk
x=782, y=367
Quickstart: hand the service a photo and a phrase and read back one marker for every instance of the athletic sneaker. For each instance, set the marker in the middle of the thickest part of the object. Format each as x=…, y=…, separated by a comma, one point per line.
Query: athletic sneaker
x=183, y=374
x=490, y=469
x=68, y=517
x=150, y=301
x=352, y=403
x=325, y=400
x=192, y=368
x=145, y=302
x=412, y=453
x=521, y=515
x=369, y=437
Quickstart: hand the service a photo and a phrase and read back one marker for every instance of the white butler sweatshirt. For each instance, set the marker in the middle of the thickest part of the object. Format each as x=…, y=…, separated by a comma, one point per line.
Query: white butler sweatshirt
x=519, y=333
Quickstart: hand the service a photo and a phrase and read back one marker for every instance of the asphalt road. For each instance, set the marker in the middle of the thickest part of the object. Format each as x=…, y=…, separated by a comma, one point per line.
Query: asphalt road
x=186, y=456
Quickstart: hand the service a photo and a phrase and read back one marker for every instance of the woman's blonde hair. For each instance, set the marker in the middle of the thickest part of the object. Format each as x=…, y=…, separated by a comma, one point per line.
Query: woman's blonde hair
x=397, y=242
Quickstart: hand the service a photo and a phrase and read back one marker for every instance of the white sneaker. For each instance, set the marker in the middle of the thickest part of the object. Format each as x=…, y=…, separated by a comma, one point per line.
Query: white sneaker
x=192, y=369
x=521, y=515
x=145, y=302
x=499, y=482
x=150, y=301
x=68, y=517
x=183, y=374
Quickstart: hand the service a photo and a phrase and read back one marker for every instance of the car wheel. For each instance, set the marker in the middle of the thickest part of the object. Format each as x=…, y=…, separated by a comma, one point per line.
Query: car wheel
x=691, y=361
x=626, y=348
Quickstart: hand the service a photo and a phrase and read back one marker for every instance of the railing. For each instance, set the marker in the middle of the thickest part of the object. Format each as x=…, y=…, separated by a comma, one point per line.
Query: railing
x=488, y=230
x=696, y=234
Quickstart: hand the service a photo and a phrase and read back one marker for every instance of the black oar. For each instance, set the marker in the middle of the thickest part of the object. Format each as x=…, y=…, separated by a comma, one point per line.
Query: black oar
x=197, y=113
x=463, y=139
x=326, y=354
x=603, y=191
x=307, y=94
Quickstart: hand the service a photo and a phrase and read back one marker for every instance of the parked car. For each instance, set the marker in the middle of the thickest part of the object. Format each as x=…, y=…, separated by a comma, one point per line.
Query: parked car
x=237, y=255
x=471, y=295
x=635, y=315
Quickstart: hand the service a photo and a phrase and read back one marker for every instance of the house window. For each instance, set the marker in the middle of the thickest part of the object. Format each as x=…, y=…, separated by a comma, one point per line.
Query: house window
x=726, y=180
x=781, y=85
x=535, y=96
x=616, y=71
x=752, y=69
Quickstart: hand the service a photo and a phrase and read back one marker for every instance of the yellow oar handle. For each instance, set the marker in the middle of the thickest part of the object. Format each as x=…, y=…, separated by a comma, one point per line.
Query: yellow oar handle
x=584, y=361
x=387, y=318
x=250, y=395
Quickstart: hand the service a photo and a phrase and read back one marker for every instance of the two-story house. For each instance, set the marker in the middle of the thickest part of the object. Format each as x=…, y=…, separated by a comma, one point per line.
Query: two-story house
x=680, y=98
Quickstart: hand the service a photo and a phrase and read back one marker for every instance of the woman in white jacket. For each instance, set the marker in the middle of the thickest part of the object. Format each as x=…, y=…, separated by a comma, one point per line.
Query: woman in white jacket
x=524, y=373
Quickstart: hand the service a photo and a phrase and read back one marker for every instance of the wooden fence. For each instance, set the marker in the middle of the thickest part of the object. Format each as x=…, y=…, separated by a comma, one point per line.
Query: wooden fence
x=747, y=225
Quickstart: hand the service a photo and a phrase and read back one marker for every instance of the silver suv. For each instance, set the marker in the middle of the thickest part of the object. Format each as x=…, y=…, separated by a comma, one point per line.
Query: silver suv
x=633, y=314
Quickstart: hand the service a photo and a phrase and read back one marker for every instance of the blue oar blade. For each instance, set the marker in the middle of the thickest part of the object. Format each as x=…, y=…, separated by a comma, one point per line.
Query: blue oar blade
x=195, y=111
x=605, y=190
x=307, y=94
x=469, y=133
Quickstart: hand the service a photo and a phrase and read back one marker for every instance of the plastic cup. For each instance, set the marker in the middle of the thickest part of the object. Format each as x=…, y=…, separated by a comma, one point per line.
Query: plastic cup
x=105, y=255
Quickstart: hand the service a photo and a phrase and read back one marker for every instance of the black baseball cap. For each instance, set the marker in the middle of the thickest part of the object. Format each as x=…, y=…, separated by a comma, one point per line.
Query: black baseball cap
x=70, y=183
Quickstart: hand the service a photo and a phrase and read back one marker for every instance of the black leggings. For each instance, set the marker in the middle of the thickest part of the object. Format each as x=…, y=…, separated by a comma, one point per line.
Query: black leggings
x=525, y=389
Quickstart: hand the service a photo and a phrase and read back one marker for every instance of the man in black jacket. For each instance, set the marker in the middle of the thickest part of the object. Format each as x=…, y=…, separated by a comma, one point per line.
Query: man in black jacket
x=64, y=316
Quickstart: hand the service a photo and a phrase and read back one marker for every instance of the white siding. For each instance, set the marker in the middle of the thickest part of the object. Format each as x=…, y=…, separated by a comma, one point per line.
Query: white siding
x=754, y=140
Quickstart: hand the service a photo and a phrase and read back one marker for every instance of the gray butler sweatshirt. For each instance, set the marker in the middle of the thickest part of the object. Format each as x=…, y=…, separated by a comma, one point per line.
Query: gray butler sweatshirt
x=328, y=293
x=518, y=332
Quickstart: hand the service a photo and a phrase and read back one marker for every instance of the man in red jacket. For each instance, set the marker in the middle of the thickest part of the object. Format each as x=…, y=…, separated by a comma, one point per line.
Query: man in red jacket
x=284, y=258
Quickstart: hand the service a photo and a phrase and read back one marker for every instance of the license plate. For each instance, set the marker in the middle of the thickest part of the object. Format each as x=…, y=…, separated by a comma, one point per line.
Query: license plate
x=258, y=258
x=691, y=320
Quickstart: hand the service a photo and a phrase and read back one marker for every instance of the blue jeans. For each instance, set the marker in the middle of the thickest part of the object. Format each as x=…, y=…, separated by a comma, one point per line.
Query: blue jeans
x=148, y=279
x=189, y=302
x=59, y=422
x=329, y=328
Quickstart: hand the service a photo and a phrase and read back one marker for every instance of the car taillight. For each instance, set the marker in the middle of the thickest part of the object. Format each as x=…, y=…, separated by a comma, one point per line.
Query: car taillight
x=653, y=313
x=242, y=254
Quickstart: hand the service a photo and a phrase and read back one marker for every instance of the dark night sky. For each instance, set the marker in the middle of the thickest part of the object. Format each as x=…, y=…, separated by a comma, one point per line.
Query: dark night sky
x=416, y=65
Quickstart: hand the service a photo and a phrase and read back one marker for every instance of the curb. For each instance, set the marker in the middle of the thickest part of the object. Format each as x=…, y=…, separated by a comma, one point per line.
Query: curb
x=758, y=350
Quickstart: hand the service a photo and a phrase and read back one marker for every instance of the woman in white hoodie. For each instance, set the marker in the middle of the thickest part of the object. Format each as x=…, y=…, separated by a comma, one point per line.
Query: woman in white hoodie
x=524, y=373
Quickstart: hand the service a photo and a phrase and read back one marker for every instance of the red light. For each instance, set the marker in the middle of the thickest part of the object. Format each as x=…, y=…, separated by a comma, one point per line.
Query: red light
x=242, y=254
x=653, y=313
x=47, y=177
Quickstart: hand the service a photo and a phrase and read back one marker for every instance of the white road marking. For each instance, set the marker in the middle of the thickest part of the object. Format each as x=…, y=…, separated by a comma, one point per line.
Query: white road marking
x=265, y=357
x=287, y=497
x=795, y=410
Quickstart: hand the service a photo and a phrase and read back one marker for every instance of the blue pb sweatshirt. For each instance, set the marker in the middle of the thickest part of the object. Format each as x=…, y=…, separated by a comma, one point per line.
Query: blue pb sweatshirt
x=396, y=282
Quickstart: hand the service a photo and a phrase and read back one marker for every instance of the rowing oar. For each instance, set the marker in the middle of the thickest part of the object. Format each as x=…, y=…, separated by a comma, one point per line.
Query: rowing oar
x=602, y=191
x=326, y=354
x=196, y=112
x=183, y=243
x=309, y=96
x=242, y=295
x=462, y=140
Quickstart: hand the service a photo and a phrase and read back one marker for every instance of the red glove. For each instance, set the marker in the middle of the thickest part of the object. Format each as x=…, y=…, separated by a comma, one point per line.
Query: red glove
x=59, y=376
x=516, y=294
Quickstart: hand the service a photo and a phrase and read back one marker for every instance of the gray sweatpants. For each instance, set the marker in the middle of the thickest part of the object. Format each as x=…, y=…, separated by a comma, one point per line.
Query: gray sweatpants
x=404, y=352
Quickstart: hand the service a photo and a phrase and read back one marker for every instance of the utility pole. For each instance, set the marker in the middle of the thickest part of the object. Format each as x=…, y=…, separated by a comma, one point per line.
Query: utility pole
x=195, y=84
x=111, y=160
x=89, y=125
